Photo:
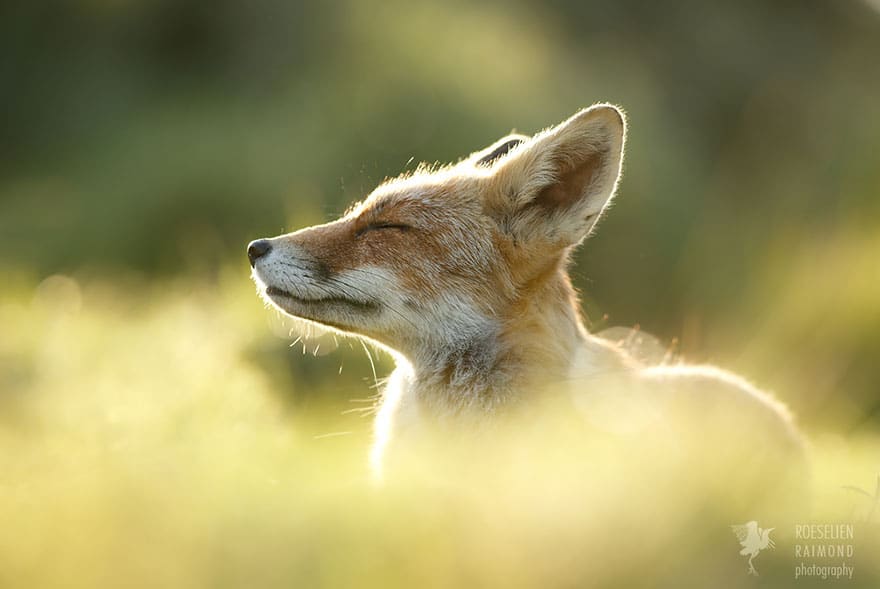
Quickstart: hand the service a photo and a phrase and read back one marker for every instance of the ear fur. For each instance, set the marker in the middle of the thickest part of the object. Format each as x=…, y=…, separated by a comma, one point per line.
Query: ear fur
x=488, y=156
x=556, y=184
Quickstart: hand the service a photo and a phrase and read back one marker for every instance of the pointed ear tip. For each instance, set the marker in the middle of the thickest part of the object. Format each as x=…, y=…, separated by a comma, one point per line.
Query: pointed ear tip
x=609, y=112
x=609, y=115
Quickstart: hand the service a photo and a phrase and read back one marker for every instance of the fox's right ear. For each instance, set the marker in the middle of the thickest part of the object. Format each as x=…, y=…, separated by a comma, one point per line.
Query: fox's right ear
x=555, y=185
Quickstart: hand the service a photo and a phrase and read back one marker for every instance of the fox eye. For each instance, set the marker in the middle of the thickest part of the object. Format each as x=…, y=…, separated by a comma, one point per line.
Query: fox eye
x=378, y=225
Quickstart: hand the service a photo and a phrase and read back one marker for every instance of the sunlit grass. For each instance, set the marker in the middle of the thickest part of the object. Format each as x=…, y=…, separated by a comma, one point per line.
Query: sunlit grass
x=144, y=443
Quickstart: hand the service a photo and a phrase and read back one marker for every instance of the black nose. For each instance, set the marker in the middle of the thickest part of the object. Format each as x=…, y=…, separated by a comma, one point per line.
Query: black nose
x=257, y=249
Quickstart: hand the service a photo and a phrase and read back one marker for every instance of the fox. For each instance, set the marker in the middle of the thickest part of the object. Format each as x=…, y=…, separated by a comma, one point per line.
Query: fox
x=461, y=273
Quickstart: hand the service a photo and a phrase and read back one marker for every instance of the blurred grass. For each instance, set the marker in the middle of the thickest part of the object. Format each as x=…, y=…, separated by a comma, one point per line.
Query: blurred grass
x=145, y=445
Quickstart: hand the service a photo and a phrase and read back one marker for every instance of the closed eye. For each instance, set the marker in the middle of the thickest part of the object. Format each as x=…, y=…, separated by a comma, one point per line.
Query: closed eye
x=378, y=225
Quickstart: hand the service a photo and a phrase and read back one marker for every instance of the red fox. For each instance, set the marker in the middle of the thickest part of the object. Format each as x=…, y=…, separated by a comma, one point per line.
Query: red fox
x=461, y=272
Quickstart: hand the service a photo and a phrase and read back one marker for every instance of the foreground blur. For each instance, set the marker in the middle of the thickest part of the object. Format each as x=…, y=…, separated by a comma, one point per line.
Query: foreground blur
x=138, y=452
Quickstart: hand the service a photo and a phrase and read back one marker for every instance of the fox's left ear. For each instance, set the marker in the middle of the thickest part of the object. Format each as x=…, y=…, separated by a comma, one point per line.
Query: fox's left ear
x=490, y=155
x=557, y=184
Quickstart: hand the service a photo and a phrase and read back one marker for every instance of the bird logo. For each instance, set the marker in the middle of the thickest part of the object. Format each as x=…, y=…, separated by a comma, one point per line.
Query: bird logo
x=753, y=540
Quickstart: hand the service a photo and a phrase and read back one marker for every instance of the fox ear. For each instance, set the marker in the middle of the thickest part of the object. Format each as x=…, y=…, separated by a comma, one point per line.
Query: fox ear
x=557, y=184
x=487, y=157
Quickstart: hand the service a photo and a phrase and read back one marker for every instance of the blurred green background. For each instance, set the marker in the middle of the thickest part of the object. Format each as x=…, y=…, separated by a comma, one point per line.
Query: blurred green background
x=156, y=138
x=144, y=142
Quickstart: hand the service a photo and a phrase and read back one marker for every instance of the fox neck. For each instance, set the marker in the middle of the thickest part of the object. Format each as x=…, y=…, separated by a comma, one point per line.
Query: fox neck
x=497, y=363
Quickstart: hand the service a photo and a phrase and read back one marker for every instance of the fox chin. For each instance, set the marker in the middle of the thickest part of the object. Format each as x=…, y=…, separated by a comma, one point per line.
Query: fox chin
x=461, y=271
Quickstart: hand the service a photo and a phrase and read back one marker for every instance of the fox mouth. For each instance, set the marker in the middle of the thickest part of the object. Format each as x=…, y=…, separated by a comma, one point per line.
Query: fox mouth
x=276, y=293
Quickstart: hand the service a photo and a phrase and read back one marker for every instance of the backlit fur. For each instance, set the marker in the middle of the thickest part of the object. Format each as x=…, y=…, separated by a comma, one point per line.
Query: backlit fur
x=461, y=272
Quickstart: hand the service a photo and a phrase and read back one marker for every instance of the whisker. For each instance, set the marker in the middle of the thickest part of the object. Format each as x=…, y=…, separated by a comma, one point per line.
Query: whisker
x=344, y=283
x=313, y=266
x=390, y=307
x=362, y=411
x=331, y=435
x=372, y=365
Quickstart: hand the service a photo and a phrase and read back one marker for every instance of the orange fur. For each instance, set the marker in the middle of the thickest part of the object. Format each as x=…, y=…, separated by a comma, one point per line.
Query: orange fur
x=462, y=272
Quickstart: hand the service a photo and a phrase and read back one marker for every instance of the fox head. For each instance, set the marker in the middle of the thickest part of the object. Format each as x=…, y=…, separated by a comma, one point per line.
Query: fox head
x=438, y=258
